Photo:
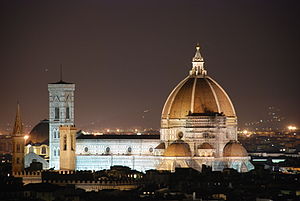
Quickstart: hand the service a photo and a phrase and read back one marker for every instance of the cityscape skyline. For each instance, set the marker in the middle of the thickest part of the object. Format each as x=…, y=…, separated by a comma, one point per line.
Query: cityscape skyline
x=124, y=68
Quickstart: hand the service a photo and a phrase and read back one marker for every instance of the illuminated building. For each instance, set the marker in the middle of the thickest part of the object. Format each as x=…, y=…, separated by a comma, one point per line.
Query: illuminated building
x=198, y=127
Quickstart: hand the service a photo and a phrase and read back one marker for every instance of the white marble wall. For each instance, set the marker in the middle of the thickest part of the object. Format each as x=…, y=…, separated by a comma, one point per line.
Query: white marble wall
x=61, y=96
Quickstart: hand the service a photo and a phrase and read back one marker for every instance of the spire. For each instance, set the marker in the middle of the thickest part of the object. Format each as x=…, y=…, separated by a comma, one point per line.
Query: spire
x=18, y=127
x=197, y=57
x=198, y=63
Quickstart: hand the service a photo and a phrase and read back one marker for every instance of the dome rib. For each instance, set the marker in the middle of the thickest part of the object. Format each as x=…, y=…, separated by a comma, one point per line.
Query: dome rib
x=226, y=95
x=193, y=96
x=215, y=95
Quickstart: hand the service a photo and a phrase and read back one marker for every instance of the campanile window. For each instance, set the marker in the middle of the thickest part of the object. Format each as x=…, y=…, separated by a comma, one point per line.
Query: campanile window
x=67, y=113
x=56, y=117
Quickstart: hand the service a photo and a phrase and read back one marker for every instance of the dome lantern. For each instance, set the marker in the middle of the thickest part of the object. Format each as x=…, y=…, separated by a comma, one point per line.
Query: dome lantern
x=198, y=63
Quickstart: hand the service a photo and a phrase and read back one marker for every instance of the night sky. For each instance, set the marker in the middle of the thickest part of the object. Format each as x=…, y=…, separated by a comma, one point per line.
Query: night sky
x=125, y=57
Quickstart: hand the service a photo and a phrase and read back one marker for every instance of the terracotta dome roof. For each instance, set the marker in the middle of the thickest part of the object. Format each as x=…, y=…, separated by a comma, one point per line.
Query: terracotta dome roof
x=197, y=94
x=234, y=149
x=178, y=149
x=40, y=132
x=205, y=145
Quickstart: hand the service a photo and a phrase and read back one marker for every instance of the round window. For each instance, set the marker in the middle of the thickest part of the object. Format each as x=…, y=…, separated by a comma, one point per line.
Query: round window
x=151, y=149
x=129, y=149
x=86, y=149
x=107, y=149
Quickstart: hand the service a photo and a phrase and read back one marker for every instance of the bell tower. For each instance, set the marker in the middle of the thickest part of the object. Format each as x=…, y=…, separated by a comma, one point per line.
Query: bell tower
x=61, y=113
x=67, y=147
x=18, y=143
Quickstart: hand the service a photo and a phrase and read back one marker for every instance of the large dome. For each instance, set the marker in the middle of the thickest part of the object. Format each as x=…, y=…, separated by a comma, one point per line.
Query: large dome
x=178, y=149
x=197, y=94
x=234, y=149
x=40, y=132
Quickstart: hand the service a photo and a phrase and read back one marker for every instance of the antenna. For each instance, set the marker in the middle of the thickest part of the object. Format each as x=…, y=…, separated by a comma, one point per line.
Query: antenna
x=61, y=72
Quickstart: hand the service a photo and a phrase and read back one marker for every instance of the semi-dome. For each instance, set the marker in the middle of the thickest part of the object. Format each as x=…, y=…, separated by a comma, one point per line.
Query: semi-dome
x=178, y=149
x=234, y=149
x=40, y=132
x=197, y=94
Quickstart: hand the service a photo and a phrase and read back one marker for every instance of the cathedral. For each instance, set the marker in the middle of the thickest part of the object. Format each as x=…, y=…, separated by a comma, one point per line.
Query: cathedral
x=198, y=127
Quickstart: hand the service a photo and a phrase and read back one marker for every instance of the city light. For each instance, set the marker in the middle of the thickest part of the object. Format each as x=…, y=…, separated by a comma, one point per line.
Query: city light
x=292, y=128
x=245, y=132
x=26, y=137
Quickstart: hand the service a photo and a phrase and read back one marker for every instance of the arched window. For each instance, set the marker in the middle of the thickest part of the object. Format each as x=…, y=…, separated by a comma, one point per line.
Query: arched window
x=57, y=134
x=54, y=152
x=58, y=152
x=86, y=149
x=129, y=149
x=54, y=133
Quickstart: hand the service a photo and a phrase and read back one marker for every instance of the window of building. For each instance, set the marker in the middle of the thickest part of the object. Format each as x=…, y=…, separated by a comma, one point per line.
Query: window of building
x=54, y=133
x=129, y=149
x=18, y=160
x=72, y=142
x=206, y=135
x=86, y=149
x=150, y=149
x=67, y=113
x=18, y=148
x=65, y=142
x=107, y=150
x=56, y=117
x=54, y=152
x=58, y=152
x=57, y=134
x=43, y=150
